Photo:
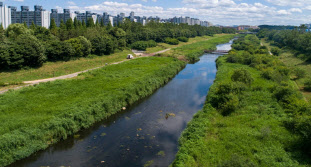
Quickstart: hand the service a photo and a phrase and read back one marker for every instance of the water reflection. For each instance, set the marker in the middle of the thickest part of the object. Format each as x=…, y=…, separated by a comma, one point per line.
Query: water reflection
x=147, y=131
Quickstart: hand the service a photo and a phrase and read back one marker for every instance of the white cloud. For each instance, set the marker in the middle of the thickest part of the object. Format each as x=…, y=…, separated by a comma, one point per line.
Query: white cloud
x=71, y=3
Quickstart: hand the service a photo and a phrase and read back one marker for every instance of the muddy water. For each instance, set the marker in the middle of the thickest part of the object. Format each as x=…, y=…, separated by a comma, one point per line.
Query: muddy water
x=146, y=133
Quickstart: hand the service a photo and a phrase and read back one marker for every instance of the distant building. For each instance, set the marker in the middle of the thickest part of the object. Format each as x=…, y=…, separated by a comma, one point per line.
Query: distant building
x=85, y=16
x=5, y=15
x=39, y=17
x=66, y=15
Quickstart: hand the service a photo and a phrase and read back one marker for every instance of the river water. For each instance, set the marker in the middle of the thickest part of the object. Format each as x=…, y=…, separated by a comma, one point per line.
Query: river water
x=146, y=133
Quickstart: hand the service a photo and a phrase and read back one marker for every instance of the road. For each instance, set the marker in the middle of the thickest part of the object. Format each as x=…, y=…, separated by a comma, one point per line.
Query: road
x=34, y=82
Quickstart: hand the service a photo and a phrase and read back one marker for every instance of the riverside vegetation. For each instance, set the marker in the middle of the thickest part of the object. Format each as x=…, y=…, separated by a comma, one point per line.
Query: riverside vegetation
x=35, y=117
x=254, y=115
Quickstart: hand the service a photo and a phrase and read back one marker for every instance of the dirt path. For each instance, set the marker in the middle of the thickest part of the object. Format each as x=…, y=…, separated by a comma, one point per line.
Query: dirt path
x=34, y=82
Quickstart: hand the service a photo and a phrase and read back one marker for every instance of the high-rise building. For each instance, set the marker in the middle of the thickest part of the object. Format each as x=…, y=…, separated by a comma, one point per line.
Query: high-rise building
x=5, y=15
x=39, y=17
x=66, y=15
x=85, y=16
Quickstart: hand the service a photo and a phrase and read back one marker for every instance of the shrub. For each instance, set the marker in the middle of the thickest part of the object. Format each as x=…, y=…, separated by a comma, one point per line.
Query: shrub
x=82, y=46
x=183, y=39
x=31, y=49
x=308, y=85
x=103, y=45
x=143, y=45
x=237, y=161
x=236, y=58
x=171, y=41
x=299, y=73
x=58, y=50
x=275, y=51
x=242, y=75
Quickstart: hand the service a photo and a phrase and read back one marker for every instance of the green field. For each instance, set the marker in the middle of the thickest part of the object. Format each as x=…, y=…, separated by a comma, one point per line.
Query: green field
x=54, y=69
x=34, y=117
x=265, y=123
x=193, y=51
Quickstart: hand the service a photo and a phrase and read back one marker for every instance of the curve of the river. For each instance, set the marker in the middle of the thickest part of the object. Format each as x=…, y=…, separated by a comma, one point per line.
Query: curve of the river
x=147, y=132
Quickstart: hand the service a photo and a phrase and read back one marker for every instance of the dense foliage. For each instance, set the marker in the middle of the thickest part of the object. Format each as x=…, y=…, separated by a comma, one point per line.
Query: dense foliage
x=75, y=39
x=171, y=41
x=297, y=39
x=66, y=106
x=143, y=45
x=266, y=123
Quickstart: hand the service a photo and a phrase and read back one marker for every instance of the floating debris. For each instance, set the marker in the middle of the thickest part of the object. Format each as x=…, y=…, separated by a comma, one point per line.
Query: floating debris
x=161, y=153
x=103, y=134
x=123, y=108
x=137, y=135
x=152, y=137
x=127, y=118
x=139, y=129
x=169, y=115
x=102, y=161
x=149, y=163
x=76, y=136
x=161, y=111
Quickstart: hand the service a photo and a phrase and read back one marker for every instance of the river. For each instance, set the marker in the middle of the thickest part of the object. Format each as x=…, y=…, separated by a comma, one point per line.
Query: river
x=147, y=132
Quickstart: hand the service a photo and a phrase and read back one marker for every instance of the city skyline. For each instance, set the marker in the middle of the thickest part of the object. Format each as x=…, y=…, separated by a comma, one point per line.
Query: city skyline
x=223, y=12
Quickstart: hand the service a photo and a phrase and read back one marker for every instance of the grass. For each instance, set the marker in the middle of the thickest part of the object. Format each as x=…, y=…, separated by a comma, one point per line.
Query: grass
x=54, y=69
x=34, y=117
x=192, y=51
x=254, y=135
x=163, y=46
x=291, y=61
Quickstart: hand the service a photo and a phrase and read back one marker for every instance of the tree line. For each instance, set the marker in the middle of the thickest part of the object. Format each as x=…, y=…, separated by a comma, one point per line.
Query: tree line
x=24, y=47
x=297, y=39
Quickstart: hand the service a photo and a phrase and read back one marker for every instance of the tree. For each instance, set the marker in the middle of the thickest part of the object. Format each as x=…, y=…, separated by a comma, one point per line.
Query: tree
x=32, y=26
x=242, y=75
x=308, y=85
x=299, y=73
x=69, y=24
x=75, y=23
x=58, y=50
x=82, y=47
x=90, y=22
x=1, y=33
x=14, y=30
x=62, y=25
x=31, y=49
x=52, y=24
x=102, y=23
x=83, y=24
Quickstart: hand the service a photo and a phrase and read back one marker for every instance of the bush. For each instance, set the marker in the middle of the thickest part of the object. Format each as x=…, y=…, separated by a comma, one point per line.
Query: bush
x=275, y=51
x=299, y=73
x=103, y=45
x=82, y=47
x=237, y=161
x=31, y=50
x=242, y=75
x=171, y=41
x=308, y=85
x=183, y=39
x=58, y=50
x=143, y=45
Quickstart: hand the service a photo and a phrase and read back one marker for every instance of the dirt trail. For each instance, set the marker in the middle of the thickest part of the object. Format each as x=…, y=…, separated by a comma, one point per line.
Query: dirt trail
x=34, y=82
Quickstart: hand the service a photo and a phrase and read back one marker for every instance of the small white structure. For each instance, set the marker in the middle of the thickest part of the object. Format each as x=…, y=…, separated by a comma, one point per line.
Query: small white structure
x=129, y=56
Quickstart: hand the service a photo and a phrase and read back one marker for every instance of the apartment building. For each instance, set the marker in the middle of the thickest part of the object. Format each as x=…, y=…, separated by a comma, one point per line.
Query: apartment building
x=5, y=15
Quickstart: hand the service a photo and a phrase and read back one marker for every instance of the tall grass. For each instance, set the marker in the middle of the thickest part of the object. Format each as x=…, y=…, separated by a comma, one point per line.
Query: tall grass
x=34, y=117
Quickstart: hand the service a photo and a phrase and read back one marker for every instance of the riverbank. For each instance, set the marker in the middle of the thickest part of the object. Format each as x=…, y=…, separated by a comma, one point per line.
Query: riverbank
x=253, y=116
x=193, y=51
x=35, y=117
x=291, y=61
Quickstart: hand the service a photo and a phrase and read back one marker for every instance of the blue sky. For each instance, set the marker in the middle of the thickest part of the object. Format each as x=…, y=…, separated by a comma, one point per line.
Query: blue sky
x=224, y=12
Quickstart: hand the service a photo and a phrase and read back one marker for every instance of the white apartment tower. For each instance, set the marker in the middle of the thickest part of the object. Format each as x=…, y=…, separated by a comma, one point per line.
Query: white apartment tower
x=5, y=15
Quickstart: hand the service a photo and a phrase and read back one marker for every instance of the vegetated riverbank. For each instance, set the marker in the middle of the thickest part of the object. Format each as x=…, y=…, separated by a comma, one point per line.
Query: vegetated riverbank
x=297, y=63
x=35, y=117
x=253, y=116
x=193, y=51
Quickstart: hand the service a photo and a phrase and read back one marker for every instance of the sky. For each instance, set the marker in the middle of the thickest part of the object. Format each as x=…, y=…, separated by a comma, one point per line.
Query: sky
x=222, y=12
